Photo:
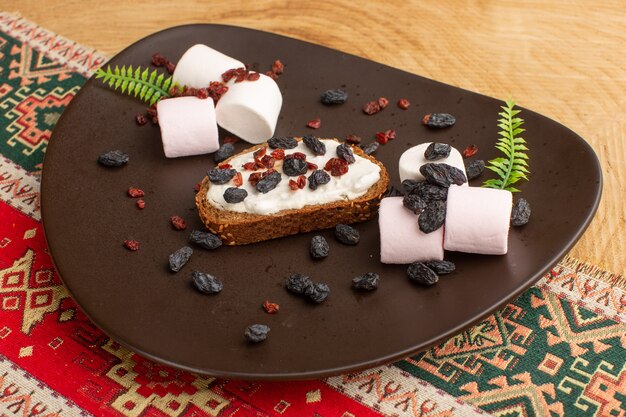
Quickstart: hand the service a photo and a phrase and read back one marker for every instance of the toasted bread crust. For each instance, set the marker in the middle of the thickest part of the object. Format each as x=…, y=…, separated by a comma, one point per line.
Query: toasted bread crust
x=235, y=228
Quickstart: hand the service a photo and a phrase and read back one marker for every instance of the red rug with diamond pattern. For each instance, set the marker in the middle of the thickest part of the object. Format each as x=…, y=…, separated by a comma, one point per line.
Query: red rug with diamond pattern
x=559, y=349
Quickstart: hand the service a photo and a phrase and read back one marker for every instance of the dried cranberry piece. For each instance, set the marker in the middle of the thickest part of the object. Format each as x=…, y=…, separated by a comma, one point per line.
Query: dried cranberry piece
x=231, y=139
x=140, y=118
x=278, y=154
x=267, y=161
x=202, y=93
x=470, y=151
x=170, y=67
x=293, y=185
x=384, y=137
x=278, y=67
x=158, y=60
x=217, y=90
x=250, y=166
x=296, y=155
x=141, y=204
x=311, y=165
x=228, y=75
x=271, y=74
x=178, y=223
x=315, y=123
x=238, y=179
x=301, y=181
x=270, y=308
x=404, y=103
x=371, y=107
x=224, y=166
x=354, y=139
x=132, y=244
x=253, y=76
x=259, y=153
x=336, y=166
x=135, y=192
x=383, y=102
x=255, y=177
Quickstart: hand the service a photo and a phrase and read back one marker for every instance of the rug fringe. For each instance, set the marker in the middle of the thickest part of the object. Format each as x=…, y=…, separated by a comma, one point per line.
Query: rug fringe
x=595, y=272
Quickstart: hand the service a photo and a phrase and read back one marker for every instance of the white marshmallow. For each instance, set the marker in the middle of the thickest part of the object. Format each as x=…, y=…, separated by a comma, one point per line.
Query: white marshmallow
x=188, y=126
x=477, y=220
x=200, y=65
x=401, y=240
x=250, y=109
x=413, y=158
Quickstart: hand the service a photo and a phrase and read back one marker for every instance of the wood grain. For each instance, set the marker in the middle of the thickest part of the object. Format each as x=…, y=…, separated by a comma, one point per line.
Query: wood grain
x=560, y=58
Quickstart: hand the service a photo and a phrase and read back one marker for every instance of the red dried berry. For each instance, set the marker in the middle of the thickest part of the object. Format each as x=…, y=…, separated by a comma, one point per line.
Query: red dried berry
x=404, y=103
x=158, y=60
x=141, y=204
x=224, y=166
x=135, y=192
x=178, y=223
x=202, y=93
x=383, y=102
x=228, y=75
x=301, y=181
x=384, y=137
x=141, y=120
x=250, y=166
x=238, y=179
x=371, y=107
x=353, y=139
x=267, y=161
x=271, y=74
x=293, y=185
x=259, y=153
x=230, y=139
x=278, y=154
x=217, y=90
x=311, y=165
x=278, y=67
x=253, y=76
x=471, y=150
x=170, y=67
x=254, y=178
x=131, y=244
x=241, y=74
x=297, y=155
x=336, y=166
x=315, y=123
x=270, y=308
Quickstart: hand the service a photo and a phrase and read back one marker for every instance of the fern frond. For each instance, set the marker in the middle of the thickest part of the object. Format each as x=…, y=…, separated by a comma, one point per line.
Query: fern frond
x=513, y=167
x=148, y=86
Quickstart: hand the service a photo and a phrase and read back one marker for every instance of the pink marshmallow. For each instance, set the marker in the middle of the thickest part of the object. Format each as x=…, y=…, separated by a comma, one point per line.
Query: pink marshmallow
x=401, y=240
x=477, y=220
x=188, y=126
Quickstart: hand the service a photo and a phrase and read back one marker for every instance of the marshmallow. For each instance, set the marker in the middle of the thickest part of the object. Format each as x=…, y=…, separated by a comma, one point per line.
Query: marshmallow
x=401, y=240
x=188, y=126
x=413, y=158
x=250, y=109
x=200, y=65
x=477, y=220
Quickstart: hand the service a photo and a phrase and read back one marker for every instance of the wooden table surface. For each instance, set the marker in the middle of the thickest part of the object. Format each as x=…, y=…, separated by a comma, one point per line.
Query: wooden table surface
x=564, y=59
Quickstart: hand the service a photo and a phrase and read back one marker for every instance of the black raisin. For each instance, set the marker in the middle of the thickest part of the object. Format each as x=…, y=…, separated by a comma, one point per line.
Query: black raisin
x=439, y=120
x=256, y=333
x=319, y=247
x=113, y=158
x=441, y=267
x=268, y=183
x=347, y=235
x=336, y=96
x=430, y=192
x=318, y=177
x=293, y=167
x=205, y=239
x=314, y=144
x=370, y=148
x=442, y=174
x=420, y=273
x=206, y=283
x=520, y=213
x=221, y=176
x=234, y=195
x=368, y=281
x=414, y=203
x=474, y=169
x=411, y=186
x=432, y=217
x=393, y=192
x=179, y=258
x=282, y=143
x=224, y=152
x=436, y=151
x=298, y=283
x=317, y=292
x=345, y=152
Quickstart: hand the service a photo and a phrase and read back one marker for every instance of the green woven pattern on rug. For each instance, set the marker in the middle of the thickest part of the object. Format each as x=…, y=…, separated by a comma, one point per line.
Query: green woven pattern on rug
x=541, y=353
x=34, y=91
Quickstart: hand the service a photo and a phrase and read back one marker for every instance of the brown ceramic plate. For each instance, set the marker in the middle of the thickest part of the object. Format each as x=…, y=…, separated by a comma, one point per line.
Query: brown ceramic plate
x=135, y=299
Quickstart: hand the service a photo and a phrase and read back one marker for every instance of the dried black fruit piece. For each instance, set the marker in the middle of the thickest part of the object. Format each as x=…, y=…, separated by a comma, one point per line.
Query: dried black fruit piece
x=317, y=292
x=393, y=192
x=206, y=283
x=221, y=176
x=314, y=144
x=298, y=283
x=432, y=217
x=293, y=167
x=439, y=120
x=411, y=186
x=319, y=247
x=436, y=151
x=347, y=235
x=282, y=143
x=430, y=192
x=256, y=333
x=442, y=174
x=370, y=148
x=318, y=177
x=345, y=152
x=224, y=152
x=114, y=158
x=420, y=273
x=520, y=213
x=474, y=169
x=205, y=239
x=441, y=267
x=414, y=203
x=336, y=96
x=179, y=258
x=268, y=183
x=234, y=195
x=368, y=281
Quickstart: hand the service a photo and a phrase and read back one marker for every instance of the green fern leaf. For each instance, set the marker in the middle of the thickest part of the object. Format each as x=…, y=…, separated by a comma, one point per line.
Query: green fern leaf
x=137, y=82
x=514, y=166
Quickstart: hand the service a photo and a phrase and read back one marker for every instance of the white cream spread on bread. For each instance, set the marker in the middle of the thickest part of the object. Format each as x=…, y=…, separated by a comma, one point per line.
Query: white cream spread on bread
x=362, y=174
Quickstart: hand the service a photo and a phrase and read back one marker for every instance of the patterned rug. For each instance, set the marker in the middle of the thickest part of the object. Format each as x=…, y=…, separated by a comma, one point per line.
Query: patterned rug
x=558, y=350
